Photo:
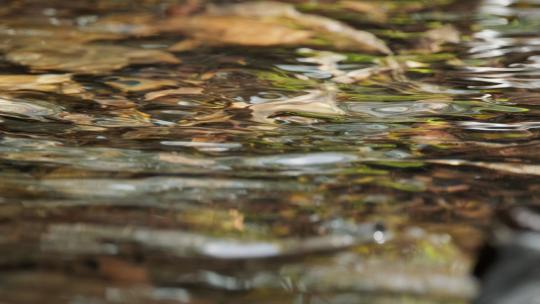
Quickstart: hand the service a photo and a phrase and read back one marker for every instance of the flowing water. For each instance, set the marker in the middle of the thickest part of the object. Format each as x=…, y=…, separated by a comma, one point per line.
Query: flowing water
x=209, y=160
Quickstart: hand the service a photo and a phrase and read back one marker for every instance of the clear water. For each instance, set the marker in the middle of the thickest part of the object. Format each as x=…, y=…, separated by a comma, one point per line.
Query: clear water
x=223, y=172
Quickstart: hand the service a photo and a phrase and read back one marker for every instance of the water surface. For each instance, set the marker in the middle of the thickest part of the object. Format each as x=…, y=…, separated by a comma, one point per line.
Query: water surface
x=153, y=152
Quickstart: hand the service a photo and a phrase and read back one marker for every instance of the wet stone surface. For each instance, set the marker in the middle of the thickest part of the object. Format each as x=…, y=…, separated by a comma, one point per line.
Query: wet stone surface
x=261, y=152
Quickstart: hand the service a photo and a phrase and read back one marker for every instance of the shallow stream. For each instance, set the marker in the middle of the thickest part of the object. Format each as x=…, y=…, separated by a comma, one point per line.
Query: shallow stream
x=310, y=152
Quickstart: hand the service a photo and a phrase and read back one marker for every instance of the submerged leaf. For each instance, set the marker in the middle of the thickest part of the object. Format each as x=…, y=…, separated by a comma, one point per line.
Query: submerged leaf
x=321, y=102
x=179, y=91
x=54, y=83
x=36, y=110
x=514, y=168
x=269, y=23
x=236, y=30
x=85, y=59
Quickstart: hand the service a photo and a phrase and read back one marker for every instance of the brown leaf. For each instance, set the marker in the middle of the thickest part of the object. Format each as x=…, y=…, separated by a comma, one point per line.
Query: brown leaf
x=236, y=30
x=55, y=83
x=269, y=23
x=316, y=101
x=87, y=59
x=513, y=168
x=179, y=91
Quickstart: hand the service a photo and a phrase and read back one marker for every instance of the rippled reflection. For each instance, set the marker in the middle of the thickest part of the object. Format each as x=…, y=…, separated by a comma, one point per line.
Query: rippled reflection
x=141, y=162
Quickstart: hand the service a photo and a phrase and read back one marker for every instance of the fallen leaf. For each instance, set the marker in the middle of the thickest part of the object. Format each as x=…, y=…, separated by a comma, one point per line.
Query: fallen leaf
x=12, y=37
x=179, y=91
x=128, y=117
x=114, y=101
x=237, y=30
x=269, y=23
x=515, y=168
x=85, y=59
x=77, y=118
x=29, y=109
x=54, y=83
x=315, y=101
